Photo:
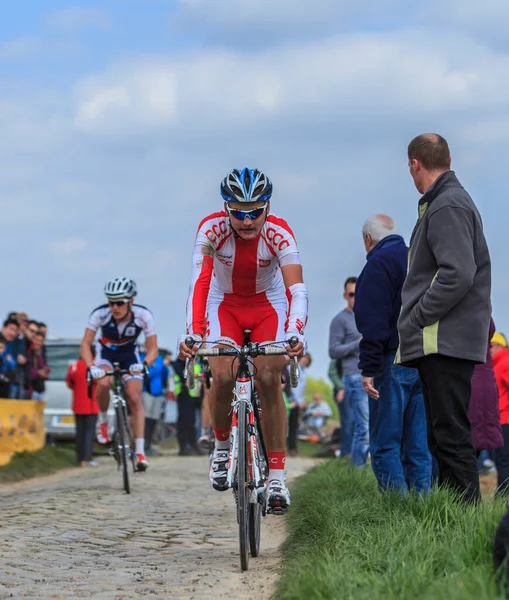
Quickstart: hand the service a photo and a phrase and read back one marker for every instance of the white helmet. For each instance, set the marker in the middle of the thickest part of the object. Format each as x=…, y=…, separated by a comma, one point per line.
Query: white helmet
x=120, y=287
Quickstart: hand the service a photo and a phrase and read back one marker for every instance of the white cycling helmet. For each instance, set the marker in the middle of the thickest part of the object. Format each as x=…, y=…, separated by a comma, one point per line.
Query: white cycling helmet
x=120, y=287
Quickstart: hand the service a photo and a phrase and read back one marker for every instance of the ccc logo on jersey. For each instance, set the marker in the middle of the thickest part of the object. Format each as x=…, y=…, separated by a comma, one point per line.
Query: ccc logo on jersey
x=217, y=231
x=277, y=239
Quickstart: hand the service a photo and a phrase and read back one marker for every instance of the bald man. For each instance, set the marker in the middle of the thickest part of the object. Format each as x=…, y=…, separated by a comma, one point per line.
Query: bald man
x=400, y=458
x=446, y=308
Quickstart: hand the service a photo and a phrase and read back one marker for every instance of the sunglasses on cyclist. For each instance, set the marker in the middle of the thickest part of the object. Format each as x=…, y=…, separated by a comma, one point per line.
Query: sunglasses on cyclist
x=117, y=302
x=240, y=214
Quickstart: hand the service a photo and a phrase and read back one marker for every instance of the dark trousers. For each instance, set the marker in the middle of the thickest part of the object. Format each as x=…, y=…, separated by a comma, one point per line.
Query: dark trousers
x=447, y=386
x=502, y=463
x=293, y=426
x=150, y=427
x=186, y=431
x=85, y=436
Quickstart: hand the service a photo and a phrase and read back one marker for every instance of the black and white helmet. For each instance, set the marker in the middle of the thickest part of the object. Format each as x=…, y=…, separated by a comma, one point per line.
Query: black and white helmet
x=120, y=287
x=246, y=185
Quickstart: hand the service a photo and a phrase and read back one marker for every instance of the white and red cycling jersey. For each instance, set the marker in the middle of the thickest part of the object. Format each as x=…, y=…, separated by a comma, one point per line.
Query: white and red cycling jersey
x=237, y=284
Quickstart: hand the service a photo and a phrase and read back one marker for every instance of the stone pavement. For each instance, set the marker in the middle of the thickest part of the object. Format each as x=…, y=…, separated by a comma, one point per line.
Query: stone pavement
x=76, y=534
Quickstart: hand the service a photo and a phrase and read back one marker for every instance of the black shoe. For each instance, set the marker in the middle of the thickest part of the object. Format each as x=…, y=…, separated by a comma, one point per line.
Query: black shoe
x=185, y=452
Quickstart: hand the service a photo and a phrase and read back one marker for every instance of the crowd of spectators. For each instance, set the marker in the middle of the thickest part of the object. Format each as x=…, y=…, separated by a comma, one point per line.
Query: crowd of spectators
x=412, y=350
x=23, y=367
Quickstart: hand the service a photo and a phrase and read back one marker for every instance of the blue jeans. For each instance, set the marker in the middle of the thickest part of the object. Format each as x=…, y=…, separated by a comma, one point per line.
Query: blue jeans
x=358, y=402
x=397, y=423
x=346, y=426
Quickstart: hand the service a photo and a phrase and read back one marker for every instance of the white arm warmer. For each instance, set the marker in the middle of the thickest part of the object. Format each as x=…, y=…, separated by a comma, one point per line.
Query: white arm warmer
x=297, y=295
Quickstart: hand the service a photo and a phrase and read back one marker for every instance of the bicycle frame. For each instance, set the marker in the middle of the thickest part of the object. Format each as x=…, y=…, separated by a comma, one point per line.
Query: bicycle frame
x=246, y=474
x=244, y=392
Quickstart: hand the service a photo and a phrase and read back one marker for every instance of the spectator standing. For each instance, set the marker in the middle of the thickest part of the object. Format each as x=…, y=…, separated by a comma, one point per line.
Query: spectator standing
x=38, y=369
x=15, y=349
x=345, y=414
x=397, y=420
x=153, y=401
x=484, y=411
x=186, y=400
x=500, y=355
x=446, y=309
x=7, y=364
x=344, y=341
x=85, y=410
x=296, y=403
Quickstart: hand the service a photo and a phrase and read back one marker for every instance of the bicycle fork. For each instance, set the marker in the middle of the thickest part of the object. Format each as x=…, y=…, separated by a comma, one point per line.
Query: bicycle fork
x=243, y=393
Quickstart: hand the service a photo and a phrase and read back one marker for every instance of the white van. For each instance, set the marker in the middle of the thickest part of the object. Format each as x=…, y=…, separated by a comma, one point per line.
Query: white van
x=58, y=415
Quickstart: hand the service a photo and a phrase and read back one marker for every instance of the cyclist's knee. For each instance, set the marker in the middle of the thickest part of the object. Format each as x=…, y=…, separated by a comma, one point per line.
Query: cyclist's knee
x=223, y=379
x=268, y=377
x=103, y=384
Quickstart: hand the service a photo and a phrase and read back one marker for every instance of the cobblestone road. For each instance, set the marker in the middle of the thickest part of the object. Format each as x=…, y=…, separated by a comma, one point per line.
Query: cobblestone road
x=77, y=535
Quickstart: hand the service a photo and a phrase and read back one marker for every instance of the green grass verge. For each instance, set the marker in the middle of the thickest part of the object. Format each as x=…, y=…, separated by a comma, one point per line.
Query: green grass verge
x=346, y=540
x=43, y=462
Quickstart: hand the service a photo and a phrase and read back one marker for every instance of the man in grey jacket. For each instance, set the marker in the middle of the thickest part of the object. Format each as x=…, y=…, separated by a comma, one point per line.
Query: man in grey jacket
x=344, y=341
x=444, y=321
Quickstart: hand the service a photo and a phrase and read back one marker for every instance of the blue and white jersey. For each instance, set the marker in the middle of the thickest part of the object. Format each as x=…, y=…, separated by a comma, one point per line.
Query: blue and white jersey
x=122, y=336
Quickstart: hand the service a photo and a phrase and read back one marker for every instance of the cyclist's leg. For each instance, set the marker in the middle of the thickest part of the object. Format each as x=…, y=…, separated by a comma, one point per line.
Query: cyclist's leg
x=205, y=415
x=133, y=391
x=103, y=395
x=269, y=328
x=222, y=326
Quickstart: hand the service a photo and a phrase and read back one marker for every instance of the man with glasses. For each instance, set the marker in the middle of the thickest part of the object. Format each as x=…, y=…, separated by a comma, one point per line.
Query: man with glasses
x=344, y=339
x=121, y=322
x=246, y=274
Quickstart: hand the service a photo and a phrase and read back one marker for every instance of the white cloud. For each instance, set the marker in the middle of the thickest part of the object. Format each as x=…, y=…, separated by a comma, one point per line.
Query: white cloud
x=78, y=18
x=376, y=75
x=138, y=97
x=265, y=20
x=20, y=48
x=489, y=17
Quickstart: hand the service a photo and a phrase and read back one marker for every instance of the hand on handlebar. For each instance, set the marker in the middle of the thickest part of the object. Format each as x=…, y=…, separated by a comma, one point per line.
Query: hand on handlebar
x=136, y=368
x=184, y=351
x=295, y=350
x=97, y=373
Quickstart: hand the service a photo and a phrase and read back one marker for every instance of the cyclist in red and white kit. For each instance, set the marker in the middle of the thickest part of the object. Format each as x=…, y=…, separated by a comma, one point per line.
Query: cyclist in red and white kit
x=246, y=274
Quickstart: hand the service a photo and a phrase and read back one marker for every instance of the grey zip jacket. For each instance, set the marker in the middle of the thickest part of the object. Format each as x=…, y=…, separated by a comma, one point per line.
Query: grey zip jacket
x=446, y=297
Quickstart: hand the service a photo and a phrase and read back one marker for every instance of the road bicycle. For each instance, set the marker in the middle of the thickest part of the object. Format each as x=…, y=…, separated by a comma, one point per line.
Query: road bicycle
x=248, y=462
x=122, y=440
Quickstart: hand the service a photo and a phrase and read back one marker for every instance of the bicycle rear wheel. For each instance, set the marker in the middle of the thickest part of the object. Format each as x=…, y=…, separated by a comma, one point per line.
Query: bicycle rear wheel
x=123, y=446
x=243, y=491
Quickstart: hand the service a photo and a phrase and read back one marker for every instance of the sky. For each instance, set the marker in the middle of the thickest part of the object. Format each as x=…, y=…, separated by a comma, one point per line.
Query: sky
x=119, y=120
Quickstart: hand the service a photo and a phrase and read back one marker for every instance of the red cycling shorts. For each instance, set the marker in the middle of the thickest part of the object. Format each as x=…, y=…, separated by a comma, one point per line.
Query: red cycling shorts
x=229, y=315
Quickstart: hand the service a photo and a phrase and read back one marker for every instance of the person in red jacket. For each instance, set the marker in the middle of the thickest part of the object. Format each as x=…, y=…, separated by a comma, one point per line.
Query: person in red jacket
x=500, y=355
x=85, y=411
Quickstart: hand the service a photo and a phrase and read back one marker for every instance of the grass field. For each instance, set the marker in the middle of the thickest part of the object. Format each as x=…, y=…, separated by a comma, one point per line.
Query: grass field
x=348, y=541
x=43, y=462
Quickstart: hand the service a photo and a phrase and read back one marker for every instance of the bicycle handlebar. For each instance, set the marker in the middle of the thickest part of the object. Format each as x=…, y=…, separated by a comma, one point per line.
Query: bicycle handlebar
x=252, y=350
x=117, y=371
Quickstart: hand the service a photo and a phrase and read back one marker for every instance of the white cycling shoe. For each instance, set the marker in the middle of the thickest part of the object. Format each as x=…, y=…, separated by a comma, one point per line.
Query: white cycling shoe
x=219, y=470
x=278, y=497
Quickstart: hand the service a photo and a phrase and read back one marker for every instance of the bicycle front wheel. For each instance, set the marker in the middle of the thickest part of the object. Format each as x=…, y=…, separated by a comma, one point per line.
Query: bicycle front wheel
x=123, y=446
x=255, y=513
x=242, y=487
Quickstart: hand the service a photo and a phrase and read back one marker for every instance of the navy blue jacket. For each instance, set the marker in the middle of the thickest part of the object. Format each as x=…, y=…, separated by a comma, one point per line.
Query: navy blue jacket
x=378, y=302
